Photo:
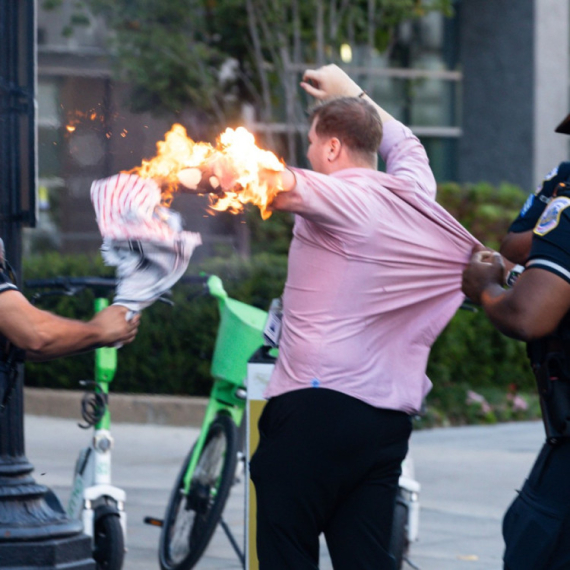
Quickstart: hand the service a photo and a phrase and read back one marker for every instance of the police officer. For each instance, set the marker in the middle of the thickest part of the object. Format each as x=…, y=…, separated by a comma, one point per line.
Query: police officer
x=516, y=244
x=536, y=527
x=43, y=335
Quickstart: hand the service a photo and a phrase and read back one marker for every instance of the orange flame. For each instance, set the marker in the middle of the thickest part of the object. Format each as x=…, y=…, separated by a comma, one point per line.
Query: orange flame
x=77, y=117
x=235, y=162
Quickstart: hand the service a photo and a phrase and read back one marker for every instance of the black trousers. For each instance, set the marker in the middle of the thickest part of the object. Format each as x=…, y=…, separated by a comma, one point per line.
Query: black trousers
x=536, y=527
x=327, y=463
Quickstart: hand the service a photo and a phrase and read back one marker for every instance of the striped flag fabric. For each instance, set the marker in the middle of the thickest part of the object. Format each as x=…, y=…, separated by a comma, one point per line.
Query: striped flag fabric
x=141, y=238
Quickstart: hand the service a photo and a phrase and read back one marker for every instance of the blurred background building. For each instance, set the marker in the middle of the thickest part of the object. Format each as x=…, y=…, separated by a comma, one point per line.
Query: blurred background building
x=483, y=90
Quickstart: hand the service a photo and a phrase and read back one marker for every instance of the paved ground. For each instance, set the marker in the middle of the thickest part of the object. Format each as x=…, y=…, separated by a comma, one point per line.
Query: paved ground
x=468, y=477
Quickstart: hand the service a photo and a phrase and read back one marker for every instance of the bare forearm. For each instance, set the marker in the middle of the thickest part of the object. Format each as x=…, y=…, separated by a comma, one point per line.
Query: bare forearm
x=288, y=180
x=506, y=309
x=384, y=115
x=330, y=81
x=50, y=336
x=44, y=335
x=532, y=309
x=503, y=313
x=514, y=314
x=516, y=246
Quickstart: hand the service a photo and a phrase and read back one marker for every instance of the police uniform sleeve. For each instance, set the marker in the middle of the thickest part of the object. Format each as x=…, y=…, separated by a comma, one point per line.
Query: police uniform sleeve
x=5, y=282
x=551, y=239
x=536, y=203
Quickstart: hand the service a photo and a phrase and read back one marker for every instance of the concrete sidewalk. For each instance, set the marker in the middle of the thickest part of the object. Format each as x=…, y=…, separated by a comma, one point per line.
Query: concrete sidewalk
x=469, y=475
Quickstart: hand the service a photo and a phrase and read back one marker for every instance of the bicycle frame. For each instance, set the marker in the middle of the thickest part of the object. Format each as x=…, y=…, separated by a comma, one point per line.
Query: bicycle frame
x=226, y=397
x=204, y=482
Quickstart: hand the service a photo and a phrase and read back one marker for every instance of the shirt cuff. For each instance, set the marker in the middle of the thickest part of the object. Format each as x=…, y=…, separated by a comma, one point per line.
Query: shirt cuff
x=551, y=266
x=7, y=287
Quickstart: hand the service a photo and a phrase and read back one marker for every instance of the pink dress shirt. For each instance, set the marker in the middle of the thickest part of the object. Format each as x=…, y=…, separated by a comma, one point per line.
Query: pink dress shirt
x=374, y=276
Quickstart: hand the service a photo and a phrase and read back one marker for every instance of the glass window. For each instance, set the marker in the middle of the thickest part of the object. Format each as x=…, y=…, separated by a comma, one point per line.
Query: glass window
x=48, y=102
x=49, y=123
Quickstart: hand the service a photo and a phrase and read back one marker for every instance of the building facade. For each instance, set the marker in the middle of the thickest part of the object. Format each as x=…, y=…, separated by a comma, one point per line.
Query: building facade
x=484, y=91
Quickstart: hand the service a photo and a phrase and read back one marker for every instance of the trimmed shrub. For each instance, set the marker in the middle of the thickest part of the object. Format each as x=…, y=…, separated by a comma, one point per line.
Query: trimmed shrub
x=485, y=210
x=173, y=349
x=172, y=352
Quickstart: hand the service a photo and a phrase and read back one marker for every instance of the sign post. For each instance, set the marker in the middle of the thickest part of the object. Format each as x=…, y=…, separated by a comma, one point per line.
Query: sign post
x=259, y=370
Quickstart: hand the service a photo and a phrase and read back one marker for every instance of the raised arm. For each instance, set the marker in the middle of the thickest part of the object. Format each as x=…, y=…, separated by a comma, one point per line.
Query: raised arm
x=331, y=81
x=401, y=150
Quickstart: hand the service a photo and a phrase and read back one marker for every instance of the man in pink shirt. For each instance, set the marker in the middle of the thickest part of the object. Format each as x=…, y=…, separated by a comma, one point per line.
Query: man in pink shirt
x=374, y=275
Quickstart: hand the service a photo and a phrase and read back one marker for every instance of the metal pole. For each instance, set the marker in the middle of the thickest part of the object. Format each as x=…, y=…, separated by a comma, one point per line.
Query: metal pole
x=35, y=532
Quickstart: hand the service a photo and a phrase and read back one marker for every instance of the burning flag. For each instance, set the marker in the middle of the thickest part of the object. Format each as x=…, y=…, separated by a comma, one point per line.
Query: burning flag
x=141, y=238
x=228, y=172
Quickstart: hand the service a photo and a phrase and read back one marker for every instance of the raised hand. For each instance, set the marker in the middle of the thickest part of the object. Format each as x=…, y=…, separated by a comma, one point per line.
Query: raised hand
x=328, y=82
x=217, y=175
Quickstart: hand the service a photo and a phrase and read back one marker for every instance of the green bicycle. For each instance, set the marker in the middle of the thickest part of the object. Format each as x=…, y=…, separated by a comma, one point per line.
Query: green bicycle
x=202, y=487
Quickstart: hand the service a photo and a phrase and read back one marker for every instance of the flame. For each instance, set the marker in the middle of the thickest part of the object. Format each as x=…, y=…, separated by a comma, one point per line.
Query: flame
x=235, y=161
x=247, y=160
x=75, y=118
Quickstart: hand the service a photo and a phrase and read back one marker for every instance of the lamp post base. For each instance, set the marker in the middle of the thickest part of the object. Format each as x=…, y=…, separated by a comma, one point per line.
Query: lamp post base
x=35, y=531
x=62, y=553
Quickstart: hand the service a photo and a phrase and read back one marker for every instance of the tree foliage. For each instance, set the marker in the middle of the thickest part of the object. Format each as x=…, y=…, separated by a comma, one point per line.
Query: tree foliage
x=214, y=54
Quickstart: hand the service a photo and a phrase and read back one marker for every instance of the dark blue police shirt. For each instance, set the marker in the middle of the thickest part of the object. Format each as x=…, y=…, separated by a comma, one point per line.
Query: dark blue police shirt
x=550, y=248
x=5, y=281
x=6, y=348
x=536, y=202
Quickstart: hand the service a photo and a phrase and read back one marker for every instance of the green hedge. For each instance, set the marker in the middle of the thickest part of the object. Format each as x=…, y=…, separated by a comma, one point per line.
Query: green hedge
x=471, y=354
x=173, y=349
x=174, y=346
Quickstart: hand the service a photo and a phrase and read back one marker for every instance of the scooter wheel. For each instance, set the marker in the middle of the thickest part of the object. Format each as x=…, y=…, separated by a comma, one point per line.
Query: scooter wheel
x=109, y=542
x=399, y=544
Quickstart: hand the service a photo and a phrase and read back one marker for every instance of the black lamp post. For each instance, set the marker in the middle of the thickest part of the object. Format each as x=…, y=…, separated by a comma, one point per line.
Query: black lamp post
x=35, y=532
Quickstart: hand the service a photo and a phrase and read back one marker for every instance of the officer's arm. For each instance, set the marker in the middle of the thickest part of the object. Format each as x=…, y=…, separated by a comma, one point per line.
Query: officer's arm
x=44, y=335
x=532, y=309
x=515, y=246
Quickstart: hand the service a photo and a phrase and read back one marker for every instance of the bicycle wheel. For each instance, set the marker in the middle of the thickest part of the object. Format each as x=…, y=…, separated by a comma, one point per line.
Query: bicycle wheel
x=190, y=521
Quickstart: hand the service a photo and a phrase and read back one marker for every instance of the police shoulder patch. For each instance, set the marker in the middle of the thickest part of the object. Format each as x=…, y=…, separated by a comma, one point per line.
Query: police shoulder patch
x=551, y=216
x=552, y=173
